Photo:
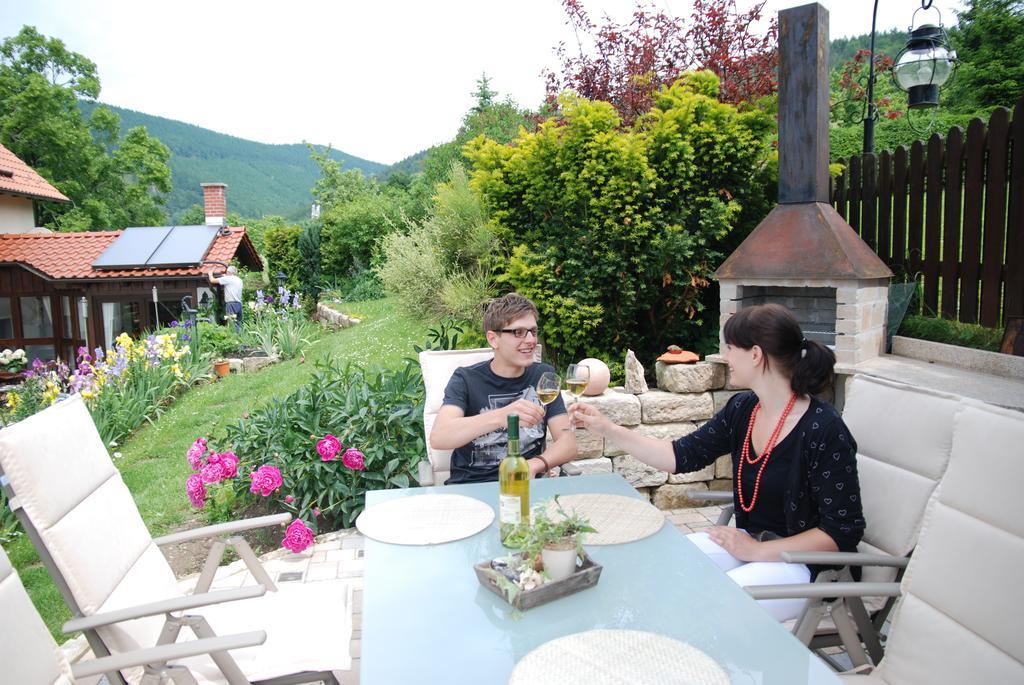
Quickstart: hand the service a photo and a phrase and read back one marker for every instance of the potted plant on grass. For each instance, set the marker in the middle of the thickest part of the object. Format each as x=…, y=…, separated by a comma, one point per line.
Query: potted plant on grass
x=222, y=367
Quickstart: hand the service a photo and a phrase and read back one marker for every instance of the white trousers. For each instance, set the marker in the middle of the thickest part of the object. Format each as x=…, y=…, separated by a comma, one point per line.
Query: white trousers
x=758, y=573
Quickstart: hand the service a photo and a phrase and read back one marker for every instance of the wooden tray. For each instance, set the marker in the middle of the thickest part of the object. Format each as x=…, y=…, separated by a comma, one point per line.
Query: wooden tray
x=585, y=576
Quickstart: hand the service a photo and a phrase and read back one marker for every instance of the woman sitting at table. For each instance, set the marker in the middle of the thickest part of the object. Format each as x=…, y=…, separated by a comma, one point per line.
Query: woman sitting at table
x=794, y=460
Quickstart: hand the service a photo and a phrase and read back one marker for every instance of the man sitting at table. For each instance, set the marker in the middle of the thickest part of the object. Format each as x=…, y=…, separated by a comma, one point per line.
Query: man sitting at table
x=473, y=419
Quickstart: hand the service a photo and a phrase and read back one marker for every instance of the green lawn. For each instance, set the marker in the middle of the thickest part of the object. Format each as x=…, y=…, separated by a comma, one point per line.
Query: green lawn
x=153, y=464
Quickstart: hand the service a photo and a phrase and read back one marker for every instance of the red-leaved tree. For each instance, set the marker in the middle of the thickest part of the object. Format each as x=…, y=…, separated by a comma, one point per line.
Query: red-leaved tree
x=625, y=64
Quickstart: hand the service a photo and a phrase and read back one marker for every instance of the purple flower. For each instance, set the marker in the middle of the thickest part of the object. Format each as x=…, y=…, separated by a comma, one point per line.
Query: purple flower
x=174, y=324
x=212, y=473
x=229, y=464
x=196, y=490
x=265, y=480
x=353, y=459
x=295, y=301
x=328, y=447
x=185, y=337
x=297, y=536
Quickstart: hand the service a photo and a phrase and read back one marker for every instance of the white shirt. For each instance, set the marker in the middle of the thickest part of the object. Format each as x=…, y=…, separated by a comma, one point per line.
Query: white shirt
x=232, y=287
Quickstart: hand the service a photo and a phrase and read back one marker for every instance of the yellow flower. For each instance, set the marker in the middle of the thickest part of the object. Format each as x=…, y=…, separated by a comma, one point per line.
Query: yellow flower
x=13, y=400
x=88, y=394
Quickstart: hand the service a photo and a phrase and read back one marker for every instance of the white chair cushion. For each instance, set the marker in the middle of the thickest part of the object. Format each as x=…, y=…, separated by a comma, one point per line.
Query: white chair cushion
x=150, y=579
x=97, y=543
x=904, y=436
x=28, y=653
x=65, y=464
x=308, y=628
x=959, y=620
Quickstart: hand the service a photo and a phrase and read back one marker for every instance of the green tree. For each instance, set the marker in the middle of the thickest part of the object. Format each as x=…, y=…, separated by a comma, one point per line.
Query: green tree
x=498, y=121
x=615, y=233
x=989, y=41
x=112, y=181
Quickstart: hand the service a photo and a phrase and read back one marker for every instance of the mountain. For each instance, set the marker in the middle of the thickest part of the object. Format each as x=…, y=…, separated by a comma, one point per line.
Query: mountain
x=262, y=179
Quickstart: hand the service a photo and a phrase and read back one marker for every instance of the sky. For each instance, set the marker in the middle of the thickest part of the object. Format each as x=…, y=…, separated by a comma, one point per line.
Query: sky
x=380, y=80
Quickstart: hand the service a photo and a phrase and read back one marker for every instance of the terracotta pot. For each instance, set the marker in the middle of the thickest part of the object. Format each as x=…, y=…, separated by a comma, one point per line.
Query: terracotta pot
x=221, y=368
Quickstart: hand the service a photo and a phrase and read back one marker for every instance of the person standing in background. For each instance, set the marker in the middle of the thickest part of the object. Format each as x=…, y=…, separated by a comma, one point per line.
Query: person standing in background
x=232, y=285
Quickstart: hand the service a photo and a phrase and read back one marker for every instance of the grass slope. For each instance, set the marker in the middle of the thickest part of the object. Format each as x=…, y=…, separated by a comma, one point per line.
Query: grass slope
x=153, y=464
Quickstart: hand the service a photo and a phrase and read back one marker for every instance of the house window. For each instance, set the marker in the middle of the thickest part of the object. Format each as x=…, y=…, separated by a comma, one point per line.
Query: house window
x=44, y=352
x=36, y=319
x=118, y=318
x=6, y=319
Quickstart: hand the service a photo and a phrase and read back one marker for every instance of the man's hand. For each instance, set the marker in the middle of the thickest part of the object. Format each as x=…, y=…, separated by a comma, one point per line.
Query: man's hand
x=736, y=542
x=530, y=413
x=536, y=467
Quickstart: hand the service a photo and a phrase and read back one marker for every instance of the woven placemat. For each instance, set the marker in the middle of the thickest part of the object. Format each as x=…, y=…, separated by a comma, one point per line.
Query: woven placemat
x=617, y=518
x=425, y=519
x=617, y=657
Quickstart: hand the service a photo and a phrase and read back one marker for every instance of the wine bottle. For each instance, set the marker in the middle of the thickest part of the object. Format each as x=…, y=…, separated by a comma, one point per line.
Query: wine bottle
x=514, y=484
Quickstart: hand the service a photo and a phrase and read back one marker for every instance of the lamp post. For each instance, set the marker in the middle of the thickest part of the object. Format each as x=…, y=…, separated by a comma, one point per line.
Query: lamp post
x=921, y=68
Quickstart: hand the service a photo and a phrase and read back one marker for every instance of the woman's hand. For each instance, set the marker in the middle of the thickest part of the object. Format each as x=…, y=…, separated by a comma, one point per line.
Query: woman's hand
x=589, y=417
x=736, y=542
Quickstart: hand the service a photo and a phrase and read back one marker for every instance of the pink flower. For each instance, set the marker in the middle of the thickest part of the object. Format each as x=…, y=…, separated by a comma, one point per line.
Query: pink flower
x=196, y=490
x=195, y=453
x=316, y=512
x=229, y=463
x=353, y=459
x=265, y=480
x=213, y=472
x=289, y=499
x=328, y=447
x=297, y=536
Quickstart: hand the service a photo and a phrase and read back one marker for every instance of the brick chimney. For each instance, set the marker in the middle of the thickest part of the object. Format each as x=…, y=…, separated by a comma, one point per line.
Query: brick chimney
x=215, y=202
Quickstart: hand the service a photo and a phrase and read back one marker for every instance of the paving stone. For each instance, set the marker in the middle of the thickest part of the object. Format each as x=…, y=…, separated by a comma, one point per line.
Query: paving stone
x=639, y=474
x=323, y=571
x=700, y=476
x=658, y=406
x=618, y=406
x=699, y=377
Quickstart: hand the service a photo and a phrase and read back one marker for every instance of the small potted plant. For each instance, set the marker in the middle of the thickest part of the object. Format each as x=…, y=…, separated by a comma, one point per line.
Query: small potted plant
x=12, y=363
x=555, y=541
x=222, y=367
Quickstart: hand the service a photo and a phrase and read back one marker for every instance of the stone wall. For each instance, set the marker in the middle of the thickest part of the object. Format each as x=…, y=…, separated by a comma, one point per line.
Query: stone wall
x=686, y=397
x=333, y=319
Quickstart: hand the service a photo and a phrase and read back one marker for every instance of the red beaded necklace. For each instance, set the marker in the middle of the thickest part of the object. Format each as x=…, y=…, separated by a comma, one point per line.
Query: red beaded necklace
x=745, y=454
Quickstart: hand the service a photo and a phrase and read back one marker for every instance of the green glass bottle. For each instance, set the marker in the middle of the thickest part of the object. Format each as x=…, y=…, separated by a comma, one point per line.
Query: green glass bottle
x=514, y=484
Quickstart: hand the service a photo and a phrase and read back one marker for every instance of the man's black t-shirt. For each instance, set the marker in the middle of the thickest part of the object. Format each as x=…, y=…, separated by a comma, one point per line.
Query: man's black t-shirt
x=477, y=390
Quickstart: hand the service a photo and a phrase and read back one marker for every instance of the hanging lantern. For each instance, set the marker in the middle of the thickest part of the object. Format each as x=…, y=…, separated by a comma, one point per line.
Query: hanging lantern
x=924, y=65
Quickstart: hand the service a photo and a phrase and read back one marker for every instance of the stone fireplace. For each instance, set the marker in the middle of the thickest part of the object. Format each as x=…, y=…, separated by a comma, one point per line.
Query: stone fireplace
x=804, y=255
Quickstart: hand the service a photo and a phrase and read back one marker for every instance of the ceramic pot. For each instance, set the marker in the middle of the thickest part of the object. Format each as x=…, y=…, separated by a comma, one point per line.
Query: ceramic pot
x=222, y=368
x=559, y=559
x=599, y=377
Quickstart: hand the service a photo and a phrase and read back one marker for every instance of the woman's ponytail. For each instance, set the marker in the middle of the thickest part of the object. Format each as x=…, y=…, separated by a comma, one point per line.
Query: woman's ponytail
x=813, y=371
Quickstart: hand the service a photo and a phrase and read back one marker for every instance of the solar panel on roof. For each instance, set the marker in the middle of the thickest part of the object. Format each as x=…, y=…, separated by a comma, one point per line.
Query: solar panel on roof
x=185, y=246
x=132, y=248
x=157, y=246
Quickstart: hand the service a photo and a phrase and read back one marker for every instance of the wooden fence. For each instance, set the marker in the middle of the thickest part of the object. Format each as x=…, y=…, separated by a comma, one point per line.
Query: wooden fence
x=949, y=211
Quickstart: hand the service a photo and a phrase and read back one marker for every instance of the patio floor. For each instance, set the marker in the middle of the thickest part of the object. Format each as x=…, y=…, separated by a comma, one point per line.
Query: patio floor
x=340, y=555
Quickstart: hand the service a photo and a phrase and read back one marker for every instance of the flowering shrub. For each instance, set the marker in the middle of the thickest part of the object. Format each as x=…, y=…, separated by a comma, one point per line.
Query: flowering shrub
x=277, y=325
x=122, y=386
x=317, y=451
x=13, y=361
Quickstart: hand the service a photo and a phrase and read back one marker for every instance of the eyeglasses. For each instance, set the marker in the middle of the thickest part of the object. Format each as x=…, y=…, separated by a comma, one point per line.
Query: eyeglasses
x=519, y=332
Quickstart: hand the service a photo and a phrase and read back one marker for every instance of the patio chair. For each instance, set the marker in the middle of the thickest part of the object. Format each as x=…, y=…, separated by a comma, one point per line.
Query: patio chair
x=437, y=367
x=31, y=657
x=76, y=510
x=904, y=436
x=958, y=620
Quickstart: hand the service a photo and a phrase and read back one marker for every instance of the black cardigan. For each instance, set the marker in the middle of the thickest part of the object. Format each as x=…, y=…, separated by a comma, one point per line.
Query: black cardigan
x=822, y=490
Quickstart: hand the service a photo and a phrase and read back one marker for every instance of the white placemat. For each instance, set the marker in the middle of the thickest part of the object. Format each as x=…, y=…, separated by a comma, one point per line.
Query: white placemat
x=425, y=519
x=617, y=518
x=617, y=657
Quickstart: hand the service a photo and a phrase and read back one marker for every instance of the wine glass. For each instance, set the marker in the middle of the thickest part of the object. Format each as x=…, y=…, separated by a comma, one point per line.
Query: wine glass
x=576, y=378
x=548, y=387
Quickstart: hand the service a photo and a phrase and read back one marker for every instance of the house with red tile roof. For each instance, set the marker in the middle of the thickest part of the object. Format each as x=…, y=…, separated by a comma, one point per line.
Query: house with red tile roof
x=20, y=188
x=62, y=291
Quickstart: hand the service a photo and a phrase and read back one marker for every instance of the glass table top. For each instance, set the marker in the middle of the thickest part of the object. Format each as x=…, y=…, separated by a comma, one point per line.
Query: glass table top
x=426, y=618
